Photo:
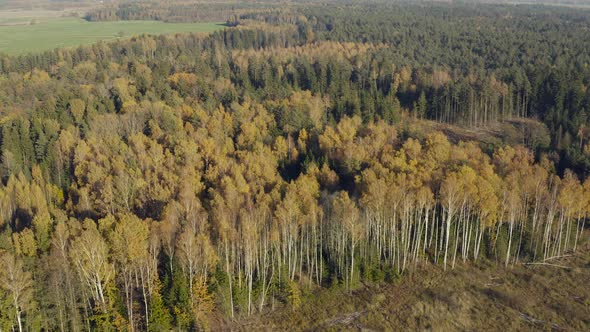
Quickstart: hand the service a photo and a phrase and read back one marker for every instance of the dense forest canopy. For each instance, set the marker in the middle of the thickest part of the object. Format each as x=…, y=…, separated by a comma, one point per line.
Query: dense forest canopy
x=151, y=183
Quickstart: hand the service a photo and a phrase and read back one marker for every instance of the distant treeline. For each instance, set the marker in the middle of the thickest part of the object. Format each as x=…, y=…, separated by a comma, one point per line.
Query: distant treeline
x=171, y=12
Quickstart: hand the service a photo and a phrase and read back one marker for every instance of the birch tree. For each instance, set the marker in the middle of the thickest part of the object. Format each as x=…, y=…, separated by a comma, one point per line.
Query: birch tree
x=90, y=255
x=18, y=283
x=346, y=213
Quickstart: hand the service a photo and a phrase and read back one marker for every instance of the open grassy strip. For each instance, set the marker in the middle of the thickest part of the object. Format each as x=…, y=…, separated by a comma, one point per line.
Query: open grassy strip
x=50, y=33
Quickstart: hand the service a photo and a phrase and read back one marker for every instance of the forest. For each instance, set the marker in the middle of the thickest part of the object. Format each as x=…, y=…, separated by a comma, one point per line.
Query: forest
x=152, y=183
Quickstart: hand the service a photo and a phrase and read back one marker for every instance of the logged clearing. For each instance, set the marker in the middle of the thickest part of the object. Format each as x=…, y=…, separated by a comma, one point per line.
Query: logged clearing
x=539, y=297
x=21, y=34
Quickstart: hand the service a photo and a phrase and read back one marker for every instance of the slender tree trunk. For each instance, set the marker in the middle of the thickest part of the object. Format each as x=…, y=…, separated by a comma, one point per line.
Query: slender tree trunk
x=351, y=264
x=511, y=226
x=447, y=233
x=229, y=278
x=145, y=299
x=18, y=318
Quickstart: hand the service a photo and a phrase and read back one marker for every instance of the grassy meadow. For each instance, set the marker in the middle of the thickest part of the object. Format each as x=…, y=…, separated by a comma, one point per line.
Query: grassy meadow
x=20, y=35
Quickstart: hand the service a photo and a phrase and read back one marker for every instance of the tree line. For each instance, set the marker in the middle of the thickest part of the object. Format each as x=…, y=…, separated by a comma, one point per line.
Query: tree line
x=178, y=11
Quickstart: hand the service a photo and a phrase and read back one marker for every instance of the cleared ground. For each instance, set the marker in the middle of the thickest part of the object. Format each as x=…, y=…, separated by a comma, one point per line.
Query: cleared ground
x=484, y=297
x=20, y=34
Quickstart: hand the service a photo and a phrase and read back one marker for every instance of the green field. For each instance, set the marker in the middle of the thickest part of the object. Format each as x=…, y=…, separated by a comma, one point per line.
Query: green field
x=19, y=37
